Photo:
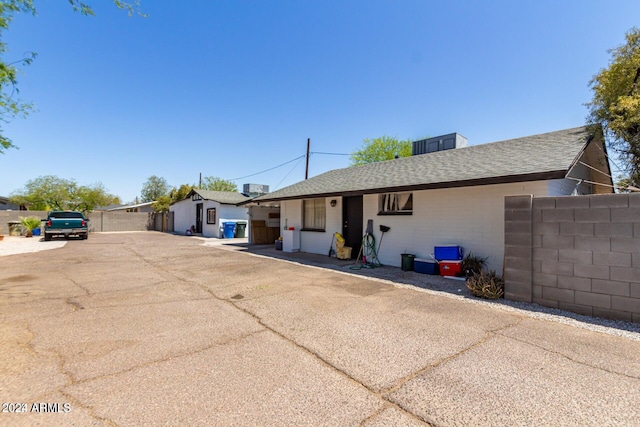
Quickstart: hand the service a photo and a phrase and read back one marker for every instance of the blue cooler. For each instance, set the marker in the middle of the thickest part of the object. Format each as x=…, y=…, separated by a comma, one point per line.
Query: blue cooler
x=425, y=266
x=450, y=253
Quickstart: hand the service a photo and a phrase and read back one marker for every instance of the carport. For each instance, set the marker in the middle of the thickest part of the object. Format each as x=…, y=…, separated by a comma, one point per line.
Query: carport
x=264, y=218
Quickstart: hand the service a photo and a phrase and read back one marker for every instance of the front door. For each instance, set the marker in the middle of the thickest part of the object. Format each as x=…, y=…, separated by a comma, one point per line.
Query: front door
x=199, y=218
x=352, y=223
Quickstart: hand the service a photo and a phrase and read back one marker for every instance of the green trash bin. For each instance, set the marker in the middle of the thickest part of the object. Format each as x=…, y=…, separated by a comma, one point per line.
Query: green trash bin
x=407, y=262
x=241, y=229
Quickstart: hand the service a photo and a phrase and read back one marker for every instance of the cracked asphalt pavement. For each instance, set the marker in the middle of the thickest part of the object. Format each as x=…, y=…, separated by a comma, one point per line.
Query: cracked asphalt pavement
x=158, y=329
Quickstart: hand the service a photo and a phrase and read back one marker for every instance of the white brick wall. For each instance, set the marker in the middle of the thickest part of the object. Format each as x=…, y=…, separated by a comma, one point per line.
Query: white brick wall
x=472, y=217
x=313, y=241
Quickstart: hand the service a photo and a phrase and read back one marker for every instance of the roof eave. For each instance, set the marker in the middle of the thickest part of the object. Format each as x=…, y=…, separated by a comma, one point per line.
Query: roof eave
x=538, y=176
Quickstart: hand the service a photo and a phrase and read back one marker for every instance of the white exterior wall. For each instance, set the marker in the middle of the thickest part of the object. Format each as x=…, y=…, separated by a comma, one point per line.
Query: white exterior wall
x=185, y=216
x=561, y=187
x=313, y=241
x=229, y=213
x=291, y=214
x=471, y=217
x=209, y=230
x=318, y=242
x=565, y=187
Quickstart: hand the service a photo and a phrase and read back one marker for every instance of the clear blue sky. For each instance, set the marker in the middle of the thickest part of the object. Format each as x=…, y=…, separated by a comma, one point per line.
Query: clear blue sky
x=232, y=88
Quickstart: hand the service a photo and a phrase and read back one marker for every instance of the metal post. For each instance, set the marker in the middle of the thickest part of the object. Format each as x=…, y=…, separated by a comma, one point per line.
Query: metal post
x=306, y=171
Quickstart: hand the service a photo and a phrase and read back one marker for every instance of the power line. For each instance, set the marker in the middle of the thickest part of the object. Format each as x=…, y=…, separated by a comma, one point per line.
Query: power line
x=292, y=169
x=290, y=161
x=330, y=154
x=270, y=169
x=608, y=157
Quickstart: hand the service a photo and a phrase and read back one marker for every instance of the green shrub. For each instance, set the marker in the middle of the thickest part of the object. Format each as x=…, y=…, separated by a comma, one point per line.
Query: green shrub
x=486, y=285
x=472, y=264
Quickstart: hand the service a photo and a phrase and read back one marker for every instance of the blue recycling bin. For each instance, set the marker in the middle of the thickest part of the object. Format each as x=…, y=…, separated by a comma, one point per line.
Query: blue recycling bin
x=228, y=229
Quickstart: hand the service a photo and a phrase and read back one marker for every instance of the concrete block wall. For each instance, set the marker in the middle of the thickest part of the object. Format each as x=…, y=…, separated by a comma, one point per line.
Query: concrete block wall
x=518, y=248
x=121, y=221
x=98, y=221
x=582, y=253
x=11, y=216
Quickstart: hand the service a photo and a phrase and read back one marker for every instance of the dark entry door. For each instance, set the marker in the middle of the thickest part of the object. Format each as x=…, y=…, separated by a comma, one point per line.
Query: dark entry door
x=199, y=218
x=352, y=223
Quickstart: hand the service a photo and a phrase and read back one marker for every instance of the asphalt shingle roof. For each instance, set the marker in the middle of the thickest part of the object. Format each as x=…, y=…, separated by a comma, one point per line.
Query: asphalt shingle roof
x=543, y=156
x=223, y=197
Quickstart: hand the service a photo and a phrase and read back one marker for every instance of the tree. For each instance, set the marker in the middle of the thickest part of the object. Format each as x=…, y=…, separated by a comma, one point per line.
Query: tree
x=180, y=193
x=52, y=193
x=213, y=183
x=10, y=105
x=616, y=104
x=380, y=149
x=163, y=203
x=154, y=188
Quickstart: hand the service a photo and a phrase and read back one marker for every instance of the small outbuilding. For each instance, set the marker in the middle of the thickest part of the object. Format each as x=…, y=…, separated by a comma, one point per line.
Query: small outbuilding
x=205, y=213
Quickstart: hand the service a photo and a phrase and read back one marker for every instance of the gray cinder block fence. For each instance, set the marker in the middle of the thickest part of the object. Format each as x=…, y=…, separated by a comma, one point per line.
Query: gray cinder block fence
x=576, y=253
x=104, y=221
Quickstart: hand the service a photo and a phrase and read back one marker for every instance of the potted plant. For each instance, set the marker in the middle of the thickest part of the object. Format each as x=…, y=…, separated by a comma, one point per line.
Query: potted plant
x=30, y=223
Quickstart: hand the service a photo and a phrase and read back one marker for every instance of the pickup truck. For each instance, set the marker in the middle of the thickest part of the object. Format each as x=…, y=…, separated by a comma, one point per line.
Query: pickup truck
x=65, y=223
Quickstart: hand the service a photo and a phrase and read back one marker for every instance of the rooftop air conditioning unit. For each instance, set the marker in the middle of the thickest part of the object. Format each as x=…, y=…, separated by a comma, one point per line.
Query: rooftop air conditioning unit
x=438, y=143
x=254, y=190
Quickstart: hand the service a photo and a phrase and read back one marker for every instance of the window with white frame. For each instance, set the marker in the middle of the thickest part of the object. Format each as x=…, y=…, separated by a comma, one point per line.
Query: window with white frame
x=395, y=204
x=314, y=214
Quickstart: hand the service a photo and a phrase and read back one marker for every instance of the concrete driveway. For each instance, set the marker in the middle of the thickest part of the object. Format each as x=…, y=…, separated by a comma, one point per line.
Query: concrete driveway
x=157, y=329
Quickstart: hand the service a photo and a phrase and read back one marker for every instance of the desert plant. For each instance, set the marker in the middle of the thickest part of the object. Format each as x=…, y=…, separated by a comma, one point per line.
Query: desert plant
x=472, y=264
x=486, y=285
x=30, y=223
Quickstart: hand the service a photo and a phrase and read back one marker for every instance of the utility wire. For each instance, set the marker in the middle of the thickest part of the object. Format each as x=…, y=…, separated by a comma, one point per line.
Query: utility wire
x=597, y=170
x=630, y=187
x=292, y=169
x=590, y=182
x=608, y=157
x=270, y=169
x=330, y=154
x=286, y=163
